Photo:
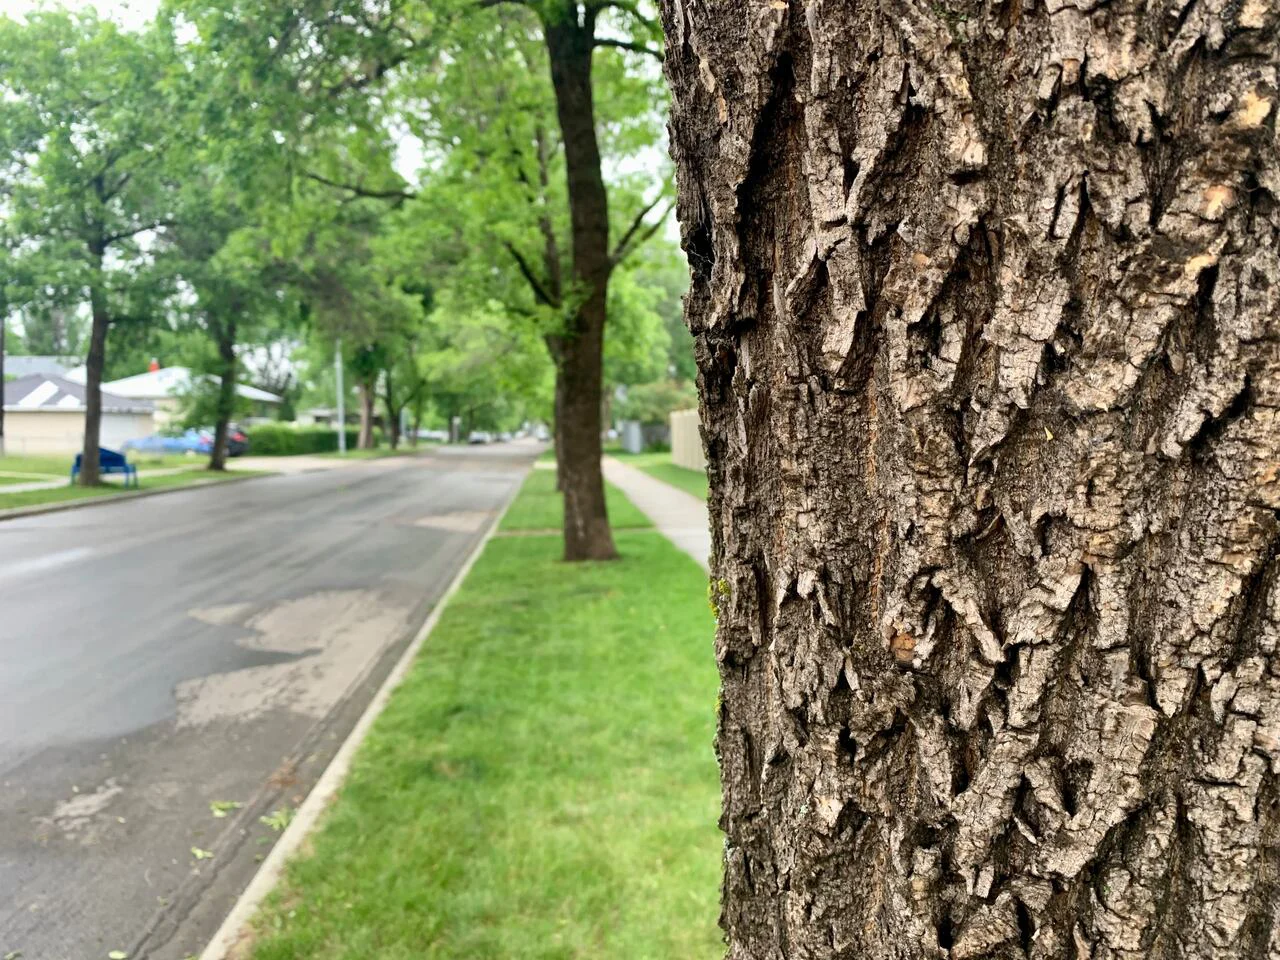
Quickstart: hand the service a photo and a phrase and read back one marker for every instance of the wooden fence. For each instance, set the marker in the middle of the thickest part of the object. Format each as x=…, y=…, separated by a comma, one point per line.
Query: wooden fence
x=686, y=440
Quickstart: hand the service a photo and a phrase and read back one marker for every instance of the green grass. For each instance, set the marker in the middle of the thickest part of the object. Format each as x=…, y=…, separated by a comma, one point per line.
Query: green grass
x=541, y=787
x=540, y=507
x=659, y=465
x=113, y=486
x=59, y=465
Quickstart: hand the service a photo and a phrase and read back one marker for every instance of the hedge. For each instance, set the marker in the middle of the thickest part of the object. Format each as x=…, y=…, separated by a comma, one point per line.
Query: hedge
x=284, y=440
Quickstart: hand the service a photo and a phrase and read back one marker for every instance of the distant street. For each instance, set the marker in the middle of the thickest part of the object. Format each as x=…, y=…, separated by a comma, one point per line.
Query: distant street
x=205, y=647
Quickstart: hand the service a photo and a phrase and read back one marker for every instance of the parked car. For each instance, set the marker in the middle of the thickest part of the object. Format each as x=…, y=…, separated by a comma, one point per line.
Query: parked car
x=192, y=441
x=438, y=436
x=479, y=437
x=198, y=441
x=237, y=440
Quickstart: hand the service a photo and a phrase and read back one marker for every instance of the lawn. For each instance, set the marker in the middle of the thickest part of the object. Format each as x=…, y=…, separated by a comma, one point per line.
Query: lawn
x=659, y=465
x=113, y=486
x=540, y=507
x=59, y=465
x=541, y=787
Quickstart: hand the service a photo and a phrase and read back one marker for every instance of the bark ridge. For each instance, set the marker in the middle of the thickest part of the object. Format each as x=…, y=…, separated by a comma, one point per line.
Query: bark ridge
x=986, y=305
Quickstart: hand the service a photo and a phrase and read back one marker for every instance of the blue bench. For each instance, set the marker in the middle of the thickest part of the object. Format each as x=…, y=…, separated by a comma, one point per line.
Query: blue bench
x=109, y=461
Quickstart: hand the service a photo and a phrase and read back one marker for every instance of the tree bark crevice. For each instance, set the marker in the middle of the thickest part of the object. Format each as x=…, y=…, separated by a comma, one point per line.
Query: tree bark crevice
x=989, y=357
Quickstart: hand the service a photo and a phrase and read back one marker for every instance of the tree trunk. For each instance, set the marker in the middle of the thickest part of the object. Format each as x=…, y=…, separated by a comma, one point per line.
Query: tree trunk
x=393, y=415
x=988, y=331
x=586, y=522
x=226, y=394
x=90, y=475
x=367, y=397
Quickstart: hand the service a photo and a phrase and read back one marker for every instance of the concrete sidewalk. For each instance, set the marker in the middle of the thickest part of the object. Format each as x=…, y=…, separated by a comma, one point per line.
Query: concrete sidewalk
x=681, y=518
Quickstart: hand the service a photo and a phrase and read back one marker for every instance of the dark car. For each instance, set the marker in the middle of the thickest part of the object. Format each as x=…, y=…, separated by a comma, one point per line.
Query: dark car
x=237, y=442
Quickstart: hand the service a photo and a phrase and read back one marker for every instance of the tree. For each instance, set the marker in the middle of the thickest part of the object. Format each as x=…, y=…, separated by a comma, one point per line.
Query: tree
x=81, y=128
x=570, y=32
x=988, y=337
x=539, y=120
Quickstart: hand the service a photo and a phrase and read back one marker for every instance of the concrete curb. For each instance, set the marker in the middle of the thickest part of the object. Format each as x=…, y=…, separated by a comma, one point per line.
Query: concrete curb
x=36, y=509
x=233, y=931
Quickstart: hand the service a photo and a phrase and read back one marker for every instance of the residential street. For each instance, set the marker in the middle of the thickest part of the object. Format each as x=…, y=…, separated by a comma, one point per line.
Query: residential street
x=160, y=655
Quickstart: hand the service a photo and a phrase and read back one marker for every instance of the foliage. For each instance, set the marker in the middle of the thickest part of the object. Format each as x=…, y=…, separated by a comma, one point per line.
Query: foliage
x=285, y=440
x=653, y=403
x=83, y=108
x=199, y=404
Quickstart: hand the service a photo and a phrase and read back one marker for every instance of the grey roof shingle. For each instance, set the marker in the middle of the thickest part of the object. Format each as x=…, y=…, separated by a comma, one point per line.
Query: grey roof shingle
x=44, y=392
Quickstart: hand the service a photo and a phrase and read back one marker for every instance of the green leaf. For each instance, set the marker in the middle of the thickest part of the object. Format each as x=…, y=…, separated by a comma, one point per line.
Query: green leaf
x=220, y=808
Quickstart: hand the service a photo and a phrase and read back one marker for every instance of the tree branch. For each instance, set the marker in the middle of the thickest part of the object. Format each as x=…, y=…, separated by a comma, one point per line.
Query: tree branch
x=629, y=7
x=398, y=195
x=539, y=291
x=629, y=45
x=628, y=243
x=126, y=234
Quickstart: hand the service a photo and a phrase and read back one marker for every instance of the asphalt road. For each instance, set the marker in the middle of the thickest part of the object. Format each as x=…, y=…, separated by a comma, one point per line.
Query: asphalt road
x=215, y=645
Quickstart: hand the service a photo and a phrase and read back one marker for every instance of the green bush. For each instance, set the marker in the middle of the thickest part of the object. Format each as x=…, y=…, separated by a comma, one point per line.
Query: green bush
x=286, y=440
x=653, y=403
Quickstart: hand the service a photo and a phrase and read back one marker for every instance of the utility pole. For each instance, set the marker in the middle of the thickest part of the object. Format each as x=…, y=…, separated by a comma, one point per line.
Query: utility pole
x=342, y=401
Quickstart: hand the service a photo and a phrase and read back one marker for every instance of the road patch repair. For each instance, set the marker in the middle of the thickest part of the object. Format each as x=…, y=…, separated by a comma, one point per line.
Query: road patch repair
x=588, y=826
x=336, y=637
x=159, y=733
x=234, y=937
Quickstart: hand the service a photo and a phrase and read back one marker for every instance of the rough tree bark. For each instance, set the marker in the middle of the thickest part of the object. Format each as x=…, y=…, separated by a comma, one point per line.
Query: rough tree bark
x=226, y=403
x=988, y=329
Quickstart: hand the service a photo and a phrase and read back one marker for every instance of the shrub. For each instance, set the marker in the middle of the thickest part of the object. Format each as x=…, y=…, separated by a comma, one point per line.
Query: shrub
x=652, y=403
x=286, y=440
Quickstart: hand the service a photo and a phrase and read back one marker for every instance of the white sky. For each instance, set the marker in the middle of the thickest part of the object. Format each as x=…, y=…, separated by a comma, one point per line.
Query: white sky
x=130, y=13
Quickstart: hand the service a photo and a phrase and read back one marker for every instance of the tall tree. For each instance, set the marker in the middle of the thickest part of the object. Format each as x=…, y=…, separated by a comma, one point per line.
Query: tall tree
x=357, y=46
x=81, y=133
x=986, y=311
x=571, y=34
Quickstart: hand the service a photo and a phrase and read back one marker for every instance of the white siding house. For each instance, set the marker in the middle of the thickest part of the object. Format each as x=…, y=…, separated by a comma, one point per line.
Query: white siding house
x=45, y=414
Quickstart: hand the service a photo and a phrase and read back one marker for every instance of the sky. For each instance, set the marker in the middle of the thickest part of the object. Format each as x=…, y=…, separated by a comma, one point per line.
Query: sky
x=131, y=13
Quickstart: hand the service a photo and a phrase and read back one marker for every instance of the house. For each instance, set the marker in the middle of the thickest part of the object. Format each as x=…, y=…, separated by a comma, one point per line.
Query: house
x=168, y=387
x=44, y=413
x=17, y=365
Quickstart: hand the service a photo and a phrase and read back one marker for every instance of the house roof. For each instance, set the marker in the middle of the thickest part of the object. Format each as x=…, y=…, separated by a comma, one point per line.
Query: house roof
x=18, y=365
x=42, y=392
x=173, y=381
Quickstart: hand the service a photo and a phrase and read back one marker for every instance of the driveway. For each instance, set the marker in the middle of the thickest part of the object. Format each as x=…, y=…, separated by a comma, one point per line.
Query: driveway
x=210, y=647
